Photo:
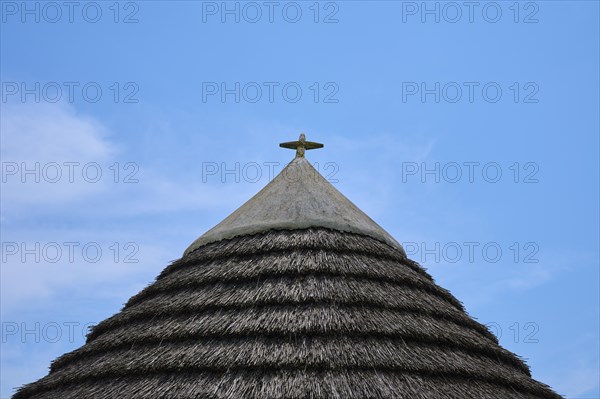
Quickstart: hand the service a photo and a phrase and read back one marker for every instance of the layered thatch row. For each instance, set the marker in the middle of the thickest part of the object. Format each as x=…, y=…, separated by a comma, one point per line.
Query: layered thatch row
x=285, y=384
x=305, y=314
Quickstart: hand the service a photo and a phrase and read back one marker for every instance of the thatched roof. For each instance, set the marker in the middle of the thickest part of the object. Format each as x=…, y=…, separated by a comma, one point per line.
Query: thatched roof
x=291, y=312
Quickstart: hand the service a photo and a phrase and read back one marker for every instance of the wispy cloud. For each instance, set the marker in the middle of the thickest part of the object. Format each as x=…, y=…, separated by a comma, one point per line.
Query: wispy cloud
x=52, y=157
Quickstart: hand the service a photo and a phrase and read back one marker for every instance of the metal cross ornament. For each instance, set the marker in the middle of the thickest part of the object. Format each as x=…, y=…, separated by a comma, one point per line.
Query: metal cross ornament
x=301, y=145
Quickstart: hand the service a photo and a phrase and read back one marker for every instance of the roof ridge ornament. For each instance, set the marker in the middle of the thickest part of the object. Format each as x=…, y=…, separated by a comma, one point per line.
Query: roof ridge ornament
x=301, y=145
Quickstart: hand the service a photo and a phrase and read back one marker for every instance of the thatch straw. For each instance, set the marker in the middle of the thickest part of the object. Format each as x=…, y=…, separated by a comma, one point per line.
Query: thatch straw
x=314, y=313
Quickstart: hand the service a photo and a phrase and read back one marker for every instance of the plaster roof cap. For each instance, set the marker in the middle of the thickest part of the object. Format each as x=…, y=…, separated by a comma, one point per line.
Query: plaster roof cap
x=297, y=198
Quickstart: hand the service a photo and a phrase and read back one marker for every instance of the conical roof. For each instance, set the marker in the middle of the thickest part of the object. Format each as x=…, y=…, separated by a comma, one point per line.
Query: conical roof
x=298, y=198
x=297, y=294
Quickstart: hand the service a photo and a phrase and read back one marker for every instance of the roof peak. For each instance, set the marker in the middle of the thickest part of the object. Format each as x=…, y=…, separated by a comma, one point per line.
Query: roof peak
x=297, y=198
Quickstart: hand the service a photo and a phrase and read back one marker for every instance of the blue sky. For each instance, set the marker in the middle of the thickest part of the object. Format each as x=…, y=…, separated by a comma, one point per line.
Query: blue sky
x=470, y=134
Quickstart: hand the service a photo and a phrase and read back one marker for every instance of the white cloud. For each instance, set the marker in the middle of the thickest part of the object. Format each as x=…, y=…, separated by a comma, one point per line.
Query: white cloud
x=46, y=136
x=52, y=132
x=41, y=138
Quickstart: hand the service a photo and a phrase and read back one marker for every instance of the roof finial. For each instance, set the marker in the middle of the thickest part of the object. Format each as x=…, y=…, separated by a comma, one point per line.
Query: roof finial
x=301, y=145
